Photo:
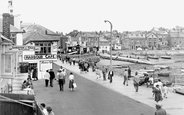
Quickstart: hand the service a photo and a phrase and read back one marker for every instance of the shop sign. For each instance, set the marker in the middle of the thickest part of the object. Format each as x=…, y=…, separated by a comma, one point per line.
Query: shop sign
x=24, y=48
x=40, y=57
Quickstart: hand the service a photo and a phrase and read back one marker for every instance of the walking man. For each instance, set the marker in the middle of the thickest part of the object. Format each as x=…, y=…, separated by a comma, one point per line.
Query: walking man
x=52, y=76
x=125, y=77
x=46, y=77
x=136, y=81
x=129, y=73
x=104, y=73
x=110, y=75
x=61, y=79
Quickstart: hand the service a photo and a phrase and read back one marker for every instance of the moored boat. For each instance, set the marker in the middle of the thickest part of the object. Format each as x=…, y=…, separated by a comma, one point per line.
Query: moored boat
x=153, y=57
x=165, y=57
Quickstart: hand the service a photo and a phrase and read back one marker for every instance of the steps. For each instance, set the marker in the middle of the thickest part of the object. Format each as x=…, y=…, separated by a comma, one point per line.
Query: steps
x=17, y=84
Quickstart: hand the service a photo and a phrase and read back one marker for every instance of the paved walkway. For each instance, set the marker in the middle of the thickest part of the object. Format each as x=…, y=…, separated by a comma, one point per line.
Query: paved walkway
x=174, y=104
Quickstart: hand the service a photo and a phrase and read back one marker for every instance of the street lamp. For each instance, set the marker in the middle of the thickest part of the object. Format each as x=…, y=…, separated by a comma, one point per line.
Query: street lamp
x=110, y=42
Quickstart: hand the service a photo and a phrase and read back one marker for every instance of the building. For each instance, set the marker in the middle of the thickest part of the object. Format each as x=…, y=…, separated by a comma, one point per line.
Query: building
x=134, y=40
x=88, y=41
x=176, y=40
x=47, y=46
x=8, y=59
x=104, y=45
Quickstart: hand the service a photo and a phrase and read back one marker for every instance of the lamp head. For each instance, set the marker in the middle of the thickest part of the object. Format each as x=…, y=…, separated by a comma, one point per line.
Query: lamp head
x=105, y=21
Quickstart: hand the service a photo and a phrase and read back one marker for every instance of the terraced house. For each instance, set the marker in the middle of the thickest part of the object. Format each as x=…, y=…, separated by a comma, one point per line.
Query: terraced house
x=9, y=35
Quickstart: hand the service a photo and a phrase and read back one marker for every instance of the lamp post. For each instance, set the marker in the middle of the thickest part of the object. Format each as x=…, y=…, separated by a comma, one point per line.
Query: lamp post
x=110, y=42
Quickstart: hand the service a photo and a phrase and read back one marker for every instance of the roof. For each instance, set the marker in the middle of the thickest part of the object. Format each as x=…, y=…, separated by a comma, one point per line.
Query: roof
x=35, y=32
x=176, y=34
x=102, y=40
x=13, y=29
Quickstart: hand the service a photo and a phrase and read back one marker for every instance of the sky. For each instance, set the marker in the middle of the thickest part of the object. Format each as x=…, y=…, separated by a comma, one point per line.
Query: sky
x=89, y=15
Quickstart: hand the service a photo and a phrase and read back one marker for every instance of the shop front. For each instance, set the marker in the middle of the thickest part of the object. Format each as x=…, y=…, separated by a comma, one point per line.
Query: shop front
x=40, y=62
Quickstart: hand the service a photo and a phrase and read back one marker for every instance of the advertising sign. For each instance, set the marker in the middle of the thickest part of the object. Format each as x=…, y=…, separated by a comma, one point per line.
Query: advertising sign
x=24, y=48
x=41, y=57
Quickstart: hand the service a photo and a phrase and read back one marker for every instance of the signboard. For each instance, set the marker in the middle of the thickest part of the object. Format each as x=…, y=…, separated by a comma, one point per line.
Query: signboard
x=41, y=57
x=24, y=48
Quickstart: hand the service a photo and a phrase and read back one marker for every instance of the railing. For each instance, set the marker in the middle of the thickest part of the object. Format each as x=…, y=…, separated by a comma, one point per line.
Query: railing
x=78, y=56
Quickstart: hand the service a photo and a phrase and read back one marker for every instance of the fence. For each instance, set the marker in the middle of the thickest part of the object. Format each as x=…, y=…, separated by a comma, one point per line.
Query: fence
x=17, y=104
x=78, y=55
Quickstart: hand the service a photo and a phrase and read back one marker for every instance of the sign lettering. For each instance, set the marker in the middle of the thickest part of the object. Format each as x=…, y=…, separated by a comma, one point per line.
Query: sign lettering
x=24, y=48
x=40, y=57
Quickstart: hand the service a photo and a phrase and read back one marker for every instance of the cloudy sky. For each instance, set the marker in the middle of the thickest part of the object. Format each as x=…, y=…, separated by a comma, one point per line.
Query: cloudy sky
x=89, y=15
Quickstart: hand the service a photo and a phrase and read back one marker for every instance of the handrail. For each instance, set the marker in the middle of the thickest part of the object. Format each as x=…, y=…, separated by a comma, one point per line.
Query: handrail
x=16, y=101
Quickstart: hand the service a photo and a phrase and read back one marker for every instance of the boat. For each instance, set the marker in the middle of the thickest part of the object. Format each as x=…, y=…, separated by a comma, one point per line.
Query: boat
x=163, y=74
x=165, y=57
x=179, y=91
x=153, y=57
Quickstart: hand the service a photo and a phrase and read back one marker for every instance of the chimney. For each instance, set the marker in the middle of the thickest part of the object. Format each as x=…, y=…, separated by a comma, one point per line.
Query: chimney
x=12, y=20
x=6, y=25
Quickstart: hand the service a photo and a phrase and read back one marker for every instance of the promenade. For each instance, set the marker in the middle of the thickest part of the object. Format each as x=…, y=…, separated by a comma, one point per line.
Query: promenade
x=174, y=104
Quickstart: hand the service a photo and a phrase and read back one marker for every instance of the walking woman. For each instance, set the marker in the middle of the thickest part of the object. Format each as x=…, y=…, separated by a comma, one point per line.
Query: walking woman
x=71, y=81
x=158, y=94
x=136, y=82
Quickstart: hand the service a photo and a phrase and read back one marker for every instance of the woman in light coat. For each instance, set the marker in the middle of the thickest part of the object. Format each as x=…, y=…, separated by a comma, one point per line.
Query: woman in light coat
x=71, y=81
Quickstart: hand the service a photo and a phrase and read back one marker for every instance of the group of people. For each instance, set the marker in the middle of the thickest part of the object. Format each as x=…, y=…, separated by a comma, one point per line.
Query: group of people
x=32, y=73
x=46, y=110
x=60, y=77
x=160, y=90
x=49, y=76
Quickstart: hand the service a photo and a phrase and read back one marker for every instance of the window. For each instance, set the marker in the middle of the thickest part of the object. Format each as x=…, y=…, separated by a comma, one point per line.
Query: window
x=45, y=47
x=6, y=65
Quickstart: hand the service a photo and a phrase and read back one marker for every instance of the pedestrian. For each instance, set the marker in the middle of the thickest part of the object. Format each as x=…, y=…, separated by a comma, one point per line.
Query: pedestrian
x=165, y=90
x=110, y=75
x=98, y=75
x=160, y=110
x=61, y=79
x=158, y=95
x=52, y=76
x=44, y=110
x=46, y=77
x=129, y=73
x=73, y=60
x=49, y=110
x=104, y=73
x=71, y=81
x=125, y=77
x=35, y=76
x=136, y=81
x=70, y=61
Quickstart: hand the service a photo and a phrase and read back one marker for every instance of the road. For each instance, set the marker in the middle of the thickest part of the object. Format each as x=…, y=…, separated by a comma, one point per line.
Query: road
x=88, y=99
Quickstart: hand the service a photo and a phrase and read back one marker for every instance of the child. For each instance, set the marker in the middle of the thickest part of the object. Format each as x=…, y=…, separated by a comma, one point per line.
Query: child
x=165, y=91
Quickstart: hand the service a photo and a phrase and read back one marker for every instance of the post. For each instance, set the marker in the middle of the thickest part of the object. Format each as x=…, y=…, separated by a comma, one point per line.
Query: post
x=110, y=42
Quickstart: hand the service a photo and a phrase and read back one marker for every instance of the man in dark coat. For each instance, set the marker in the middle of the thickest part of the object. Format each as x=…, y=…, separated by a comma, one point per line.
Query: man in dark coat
x=110, y=75
x=52, y=76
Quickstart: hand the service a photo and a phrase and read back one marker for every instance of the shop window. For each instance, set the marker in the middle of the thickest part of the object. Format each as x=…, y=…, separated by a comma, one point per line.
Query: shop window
x=45, y=48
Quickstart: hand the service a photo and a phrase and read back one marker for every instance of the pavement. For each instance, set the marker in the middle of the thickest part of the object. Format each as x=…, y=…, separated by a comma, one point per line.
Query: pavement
x=174, y=104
